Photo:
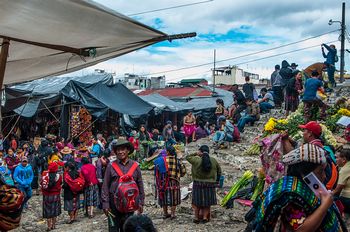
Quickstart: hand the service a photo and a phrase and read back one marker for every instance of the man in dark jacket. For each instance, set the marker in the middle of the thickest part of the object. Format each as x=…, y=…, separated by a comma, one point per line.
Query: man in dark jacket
x=240, y=102
x=286, y=73
x=116, y=219
x=330, y=61
x=276, y=82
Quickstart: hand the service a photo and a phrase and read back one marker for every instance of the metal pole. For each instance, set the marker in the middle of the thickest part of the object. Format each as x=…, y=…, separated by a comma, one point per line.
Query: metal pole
x=214, y=70
x=3, y=60
x=342, y=50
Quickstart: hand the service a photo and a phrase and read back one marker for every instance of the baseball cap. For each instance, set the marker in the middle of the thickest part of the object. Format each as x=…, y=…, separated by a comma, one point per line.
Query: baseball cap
x=314, y=127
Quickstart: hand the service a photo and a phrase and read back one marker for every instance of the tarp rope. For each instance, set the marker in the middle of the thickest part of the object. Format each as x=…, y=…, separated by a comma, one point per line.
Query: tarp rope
x=19, y=115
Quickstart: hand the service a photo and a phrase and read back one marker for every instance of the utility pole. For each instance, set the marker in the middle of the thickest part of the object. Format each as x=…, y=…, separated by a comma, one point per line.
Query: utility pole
x=342, y=49
x=214, y=70
x=3, y=60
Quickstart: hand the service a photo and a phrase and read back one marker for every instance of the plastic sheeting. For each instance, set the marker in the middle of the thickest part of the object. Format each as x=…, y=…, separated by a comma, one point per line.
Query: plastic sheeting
x=165, y=104
x=27, y=98
x=99, y=97
x=83, y=24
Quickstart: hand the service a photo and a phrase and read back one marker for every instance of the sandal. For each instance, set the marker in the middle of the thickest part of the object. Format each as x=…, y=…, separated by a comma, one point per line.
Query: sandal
x=196, y=221
x=204, y=221
x=166, y=216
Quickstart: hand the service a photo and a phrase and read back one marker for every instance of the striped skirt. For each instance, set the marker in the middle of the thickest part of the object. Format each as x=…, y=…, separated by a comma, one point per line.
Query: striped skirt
x=91, y=197
x=51, y=206
x=204, y=194
x=171, y=196
x=72, y=205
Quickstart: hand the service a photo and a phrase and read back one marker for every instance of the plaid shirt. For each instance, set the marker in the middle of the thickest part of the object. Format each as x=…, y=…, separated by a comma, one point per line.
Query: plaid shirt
x=175, y=168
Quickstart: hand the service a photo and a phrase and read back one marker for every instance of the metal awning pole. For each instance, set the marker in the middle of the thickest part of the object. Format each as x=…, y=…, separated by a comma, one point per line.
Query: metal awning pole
x=3, y=60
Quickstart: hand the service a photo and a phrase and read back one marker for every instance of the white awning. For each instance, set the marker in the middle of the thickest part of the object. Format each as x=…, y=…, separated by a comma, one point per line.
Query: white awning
x=46, y=36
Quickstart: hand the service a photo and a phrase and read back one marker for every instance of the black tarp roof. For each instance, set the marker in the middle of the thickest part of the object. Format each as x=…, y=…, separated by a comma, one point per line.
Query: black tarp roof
x=95, y=92
x=99, y=97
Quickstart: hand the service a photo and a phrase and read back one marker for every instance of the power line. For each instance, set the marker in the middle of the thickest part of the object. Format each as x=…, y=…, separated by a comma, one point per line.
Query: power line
x=172, y=7
x=284, y=53
x=241, y=56
x=267, y=57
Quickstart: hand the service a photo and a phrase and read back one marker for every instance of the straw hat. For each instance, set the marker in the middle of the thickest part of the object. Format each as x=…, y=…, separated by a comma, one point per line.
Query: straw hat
x=66, y=151
x=83, y=148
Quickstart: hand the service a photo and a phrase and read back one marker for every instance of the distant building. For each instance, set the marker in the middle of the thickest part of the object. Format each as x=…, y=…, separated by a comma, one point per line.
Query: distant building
x=230, y=75
x=136, y=82
x=192, y=82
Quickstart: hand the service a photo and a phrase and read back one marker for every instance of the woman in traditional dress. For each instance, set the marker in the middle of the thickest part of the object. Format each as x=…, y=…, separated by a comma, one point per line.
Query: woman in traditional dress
x=206, y=173
x=168, y=181
x=91, y=198
x=190, y=126
x=71, y=199
x=289, y=204
x=293, y=90
x=51, y=195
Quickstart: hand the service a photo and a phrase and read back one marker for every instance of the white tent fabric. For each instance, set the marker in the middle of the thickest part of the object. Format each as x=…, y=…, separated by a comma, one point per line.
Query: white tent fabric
x=77, y=24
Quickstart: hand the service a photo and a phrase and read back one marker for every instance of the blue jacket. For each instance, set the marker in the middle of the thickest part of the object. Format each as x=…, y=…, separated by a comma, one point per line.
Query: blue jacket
x=23, y=175
x=330, y=57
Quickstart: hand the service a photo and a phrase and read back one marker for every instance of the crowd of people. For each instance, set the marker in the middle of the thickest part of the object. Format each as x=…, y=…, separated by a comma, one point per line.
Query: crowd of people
x=106, y=176
x=105, y=173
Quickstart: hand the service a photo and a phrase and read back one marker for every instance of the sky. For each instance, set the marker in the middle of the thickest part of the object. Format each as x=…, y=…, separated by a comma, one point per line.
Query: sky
x=231, y=27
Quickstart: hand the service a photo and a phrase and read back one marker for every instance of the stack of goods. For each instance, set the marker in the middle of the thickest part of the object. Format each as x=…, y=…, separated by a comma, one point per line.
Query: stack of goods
x=81, y=121
x=290, y=125
x=75, y=124
x=248, y=188
x=247, y=177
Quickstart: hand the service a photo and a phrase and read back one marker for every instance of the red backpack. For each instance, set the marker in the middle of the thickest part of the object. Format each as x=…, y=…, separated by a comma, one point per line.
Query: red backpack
x=125, y=198
x=77, y=184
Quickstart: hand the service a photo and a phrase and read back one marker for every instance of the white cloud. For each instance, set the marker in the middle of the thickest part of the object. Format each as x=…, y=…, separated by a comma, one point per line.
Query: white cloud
x=276, y=22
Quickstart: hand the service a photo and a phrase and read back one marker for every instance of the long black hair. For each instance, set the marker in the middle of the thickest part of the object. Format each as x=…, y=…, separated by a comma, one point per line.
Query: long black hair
x=171, y=150
x=143, y=135
x=139, y=223
x=72, y=169
x=206, y=163
x=52, y=179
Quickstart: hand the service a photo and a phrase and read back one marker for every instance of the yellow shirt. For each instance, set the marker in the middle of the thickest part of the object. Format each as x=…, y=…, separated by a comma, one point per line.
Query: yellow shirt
x=54, y=158
x=344, y=179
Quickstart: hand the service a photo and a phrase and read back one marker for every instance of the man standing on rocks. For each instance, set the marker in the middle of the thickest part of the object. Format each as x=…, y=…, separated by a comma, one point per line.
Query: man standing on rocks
x=276, y=82
x=111, y=200
x=331, y=58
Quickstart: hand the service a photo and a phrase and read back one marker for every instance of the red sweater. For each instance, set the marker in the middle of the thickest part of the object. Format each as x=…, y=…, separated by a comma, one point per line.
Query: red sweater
x=55, y=190
x=89, y=174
